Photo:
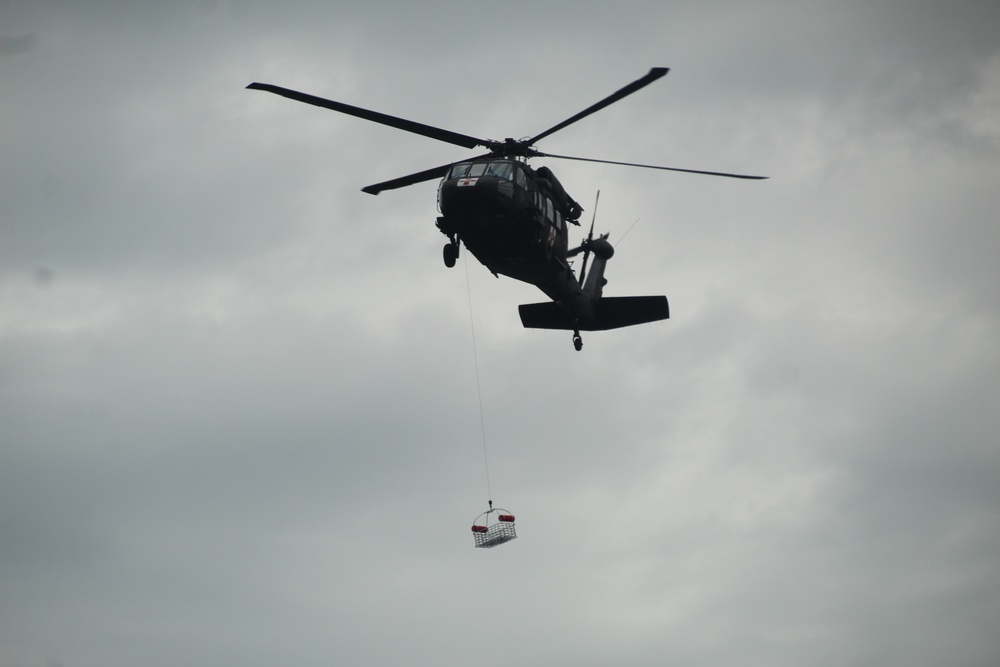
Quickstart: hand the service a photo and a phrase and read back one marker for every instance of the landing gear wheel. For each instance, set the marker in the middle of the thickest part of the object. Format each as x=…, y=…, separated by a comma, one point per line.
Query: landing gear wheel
x=577, y=342
x=450, y=253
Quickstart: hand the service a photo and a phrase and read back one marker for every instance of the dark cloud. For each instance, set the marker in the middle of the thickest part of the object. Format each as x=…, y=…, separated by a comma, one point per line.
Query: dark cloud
x=17, y=44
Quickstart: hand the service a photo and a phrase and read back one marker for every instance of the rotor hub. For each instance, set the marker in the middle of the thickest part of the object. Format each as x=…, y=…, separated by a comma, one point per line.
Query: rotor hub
x=511, y=148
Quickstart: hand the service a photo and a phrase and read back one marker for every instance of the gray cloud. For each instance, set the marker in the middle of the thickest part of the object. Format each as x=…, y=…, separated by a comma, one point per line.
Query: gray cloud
x=238, y=400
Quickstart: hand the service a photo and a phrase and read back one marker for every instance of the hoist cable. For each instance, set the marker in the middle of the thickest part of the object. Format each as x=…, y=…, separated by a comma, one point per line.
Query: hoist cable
x=479, y=389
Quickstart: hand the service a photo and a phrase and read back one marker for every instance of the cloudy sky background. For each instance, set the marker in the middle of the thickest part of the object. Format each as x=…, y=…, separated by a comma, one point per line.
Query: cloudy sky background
x=238, y=397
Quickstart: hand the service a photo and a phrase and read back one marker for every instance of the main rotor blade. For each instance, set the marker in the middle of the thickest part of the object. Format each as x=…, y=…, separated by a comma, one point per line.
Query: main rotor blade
x=392, y=121
x=419, y=177
x=652, y=76
x=653, y=166
x=403, y=181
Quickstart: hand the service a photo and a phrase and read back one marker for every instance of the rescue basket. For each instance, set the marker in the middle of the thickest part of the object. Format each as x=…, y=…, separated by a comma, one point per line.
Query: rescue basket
x=489, y=531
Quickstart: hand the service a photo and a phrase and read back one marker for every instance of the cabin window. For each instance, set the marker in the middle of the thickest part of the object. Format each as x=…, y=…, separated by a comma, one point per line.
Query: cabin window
x=460, y=170
x=477, y=168
x=549, y=210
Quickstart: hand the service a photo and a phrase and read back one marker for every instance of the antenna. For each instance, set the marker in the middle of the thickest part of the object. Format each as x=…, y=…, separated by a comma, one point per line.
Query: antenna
x=627, y=231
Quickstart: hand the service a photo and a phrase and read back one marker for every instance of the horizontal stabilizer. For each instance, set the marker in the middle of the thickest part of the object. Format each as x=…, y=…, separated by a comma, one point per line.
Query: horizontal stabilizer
x=612, y=312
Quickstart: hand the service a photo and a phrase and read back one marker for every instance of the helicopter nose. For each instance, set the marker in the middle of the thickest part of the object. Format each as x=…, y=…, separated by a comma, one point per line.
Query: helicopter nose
x=469, y=191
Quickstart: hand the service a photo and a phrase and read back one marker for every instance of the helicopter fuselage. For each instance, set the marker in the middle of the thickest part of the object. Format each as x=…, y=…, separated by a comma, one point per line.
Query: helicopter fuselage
x=513, y=219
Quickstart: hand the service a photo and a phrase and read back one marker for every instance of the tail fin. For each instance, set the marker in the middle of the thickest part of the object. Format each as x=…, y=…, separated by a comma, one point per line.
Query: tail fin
x=611, y=313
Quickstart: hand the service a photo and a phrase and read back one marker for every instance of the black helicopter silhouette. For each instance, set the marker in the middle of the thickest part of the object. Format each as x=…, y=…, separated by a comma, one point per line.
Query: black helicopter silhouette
x=512, y=218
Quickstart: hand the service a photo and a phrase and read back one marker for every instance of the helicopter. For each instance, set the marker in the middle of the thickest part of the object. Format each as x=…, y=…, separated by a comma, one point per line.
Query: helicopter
x=513, y=218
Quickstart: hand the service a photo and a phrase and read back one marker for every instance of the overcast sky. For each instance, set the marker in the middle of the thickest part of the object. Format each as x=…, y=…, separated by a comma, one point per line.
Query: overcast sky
x=239, y=421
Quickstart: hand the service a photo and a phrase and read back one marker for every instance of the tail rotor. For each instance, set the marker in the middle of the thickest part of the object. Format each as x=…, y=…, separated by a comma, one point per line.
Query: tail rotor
x=585, y=246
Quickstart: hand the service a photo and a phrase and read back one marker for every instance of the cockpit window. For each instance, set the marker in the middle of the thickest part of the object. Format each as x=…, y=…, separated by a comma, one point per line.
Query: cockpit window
x=501, y=170
x=520, y=178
